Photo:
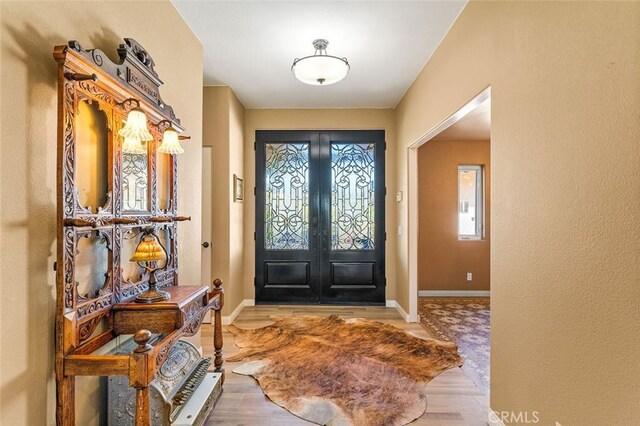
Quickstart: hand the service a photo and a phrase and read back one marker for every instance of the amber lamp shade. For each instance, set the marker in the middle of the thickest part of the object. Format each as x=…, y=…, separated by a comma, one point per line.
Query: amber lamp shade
x=148, y=253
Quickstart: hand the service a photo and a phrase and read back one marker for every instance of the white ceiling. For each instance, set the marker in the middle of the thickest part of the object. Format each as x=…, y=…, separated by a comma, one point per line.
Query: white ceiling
x=250, y=46
x=475, y=126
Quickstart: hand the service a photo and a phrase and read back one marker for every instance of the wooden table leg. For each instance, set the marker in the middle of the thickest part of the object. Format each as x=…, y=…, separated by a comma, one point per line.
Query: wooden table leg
x=65, y=401
x=140, y=378
x=143, y=416
x=218, y=360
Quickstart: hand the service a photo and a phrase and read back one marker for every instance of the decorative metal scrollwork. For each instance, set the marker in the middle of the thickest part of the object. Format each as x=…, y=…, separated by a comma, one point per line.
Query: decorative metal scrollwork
x=287, y=196
x=135, y=182
x=352, y=196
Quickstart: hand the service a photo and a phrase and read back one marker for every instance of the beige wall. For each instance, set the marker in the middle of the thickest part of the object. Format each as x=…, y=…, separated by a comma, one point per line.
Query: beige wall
x=566, y=177
x=324, y=119
x=443, y=259
x=28, y=176
x=224, y=132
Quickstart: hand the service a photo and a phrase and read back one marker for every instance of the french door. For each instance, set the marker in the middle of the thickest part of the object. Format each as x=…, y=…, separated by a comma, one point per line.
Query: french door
x=320, y=231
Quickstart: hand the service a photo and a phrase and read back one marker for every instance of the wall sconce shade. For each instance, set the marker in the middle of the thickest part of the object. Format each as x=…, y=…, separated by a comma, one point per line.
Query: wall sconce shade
x=170, y=142
x=133, y=146
x=136, y=126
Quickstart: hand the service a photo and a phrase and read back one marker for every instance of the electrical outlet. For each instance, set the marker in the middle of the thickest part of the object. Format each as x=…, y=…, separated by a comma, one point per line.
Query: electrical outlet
x=469, y=276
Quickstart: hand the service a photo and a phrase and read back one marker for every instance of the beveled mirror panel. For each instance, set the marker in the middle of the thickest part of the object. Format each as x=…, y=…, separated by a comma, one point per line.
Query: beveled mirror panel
x=92, y=155
x=92, y=264
x=131, y=272
x=163, y=172
x=135, y=182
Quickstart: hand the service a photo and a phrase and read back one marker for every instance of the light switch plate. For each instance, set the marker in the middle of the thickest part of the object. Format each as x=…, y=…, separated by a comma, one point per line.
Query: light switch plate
x=399, y=196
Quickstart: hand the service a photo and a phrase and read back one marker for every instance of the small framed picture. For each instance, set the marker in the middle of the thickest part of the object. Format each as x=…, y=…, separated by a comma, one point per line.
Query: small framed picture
x=238, y=189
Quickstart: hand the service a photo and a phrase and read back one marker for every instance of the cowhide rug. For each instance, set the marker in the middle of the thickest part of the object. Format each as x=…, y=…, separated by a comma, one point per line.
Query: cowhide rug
x=332, y=371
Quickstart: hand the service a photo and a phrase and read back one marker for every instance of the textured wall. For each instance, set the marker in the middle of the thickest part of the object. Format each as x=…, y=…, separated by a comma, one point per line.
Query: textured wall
x=443, y=259
x=224, y=132
x=565, y=196
x=310, y=119
x=29, y=31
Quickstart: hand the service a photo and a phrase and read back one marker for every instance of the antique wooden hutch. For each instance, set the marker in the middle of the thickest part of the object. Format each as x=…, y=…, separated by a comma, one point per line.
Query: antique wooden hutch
x=105, y=198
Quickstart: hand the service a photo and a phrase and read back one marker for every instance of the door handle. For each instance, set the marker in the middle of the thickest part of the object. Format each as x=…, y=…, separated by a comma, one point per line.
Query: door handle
x=205, y=244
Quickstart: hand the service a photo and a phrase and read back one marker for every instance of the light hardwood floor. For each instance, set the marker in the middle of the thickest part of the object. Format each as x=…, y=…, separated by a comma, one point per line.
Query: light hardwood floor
x=453, y=399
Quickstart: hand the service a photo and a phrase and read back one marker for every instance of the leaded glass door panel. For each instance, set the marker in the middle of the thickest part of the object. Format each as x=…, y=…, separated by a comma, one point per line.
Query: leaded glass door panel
x=320, y=217
x=352, y=196
x=287, y=264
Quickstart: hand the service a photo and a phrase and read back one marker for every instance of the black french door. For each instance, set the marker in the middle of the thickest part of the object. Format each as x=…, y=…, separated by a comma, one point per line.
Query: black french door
x=320, y=231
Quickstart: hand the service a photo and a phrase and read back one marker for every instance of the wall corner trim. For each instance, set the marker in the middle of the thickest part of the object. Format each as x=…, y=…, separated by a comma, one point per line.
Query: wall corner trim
x=405, y=316
x=228, y=319
x=453, y=293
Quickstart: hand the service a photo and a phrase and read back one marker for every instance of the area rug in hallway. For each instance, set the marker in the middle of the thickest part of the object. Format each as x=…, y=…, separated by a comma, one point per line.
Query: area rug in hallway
x=334, y=371
x=464, y=321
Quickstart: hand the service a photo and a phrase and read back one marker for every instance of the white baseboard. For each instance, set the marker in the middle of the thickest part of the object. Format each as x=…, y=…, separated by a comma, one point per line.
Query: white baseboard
x=228, y=319
x=453, y=293
x=402, y=312
x=394, y=304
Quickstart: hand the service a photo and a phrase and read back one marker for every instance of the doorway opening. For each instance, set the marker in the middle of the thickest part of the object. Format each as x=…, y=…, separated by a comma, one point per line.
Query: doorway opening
x=320, y=228
x=449, y=233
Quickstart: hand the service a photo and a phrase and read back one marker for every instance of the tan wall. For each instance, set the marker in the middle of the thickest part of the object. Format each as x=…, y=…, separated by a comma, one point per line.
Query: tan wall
x=310, y=119
x=28, y=176
x=443, y=259
x=224, y=132
x=566, y=178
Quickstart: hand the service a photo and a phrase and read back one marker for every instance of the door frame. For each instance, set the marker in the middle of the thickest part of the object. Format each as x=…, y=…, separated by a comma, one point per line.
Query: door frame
x=346, y=136
x=413, y=193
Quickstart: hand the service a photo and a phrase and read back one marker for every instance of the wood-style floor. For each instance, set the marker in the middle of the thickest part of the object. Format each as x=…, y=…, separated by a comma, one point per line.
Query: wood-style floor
x=453, y=399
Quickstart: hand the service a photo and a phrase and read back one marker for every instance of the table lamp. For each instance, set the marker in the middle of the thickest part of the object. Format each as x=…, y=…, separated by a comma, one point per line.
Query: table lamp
x=148, y=253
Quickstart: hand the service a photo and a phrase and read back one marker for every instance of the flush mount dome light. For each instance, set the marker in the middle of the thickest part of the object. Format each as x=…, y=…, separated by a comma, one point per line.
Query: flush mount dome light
x=320, y=69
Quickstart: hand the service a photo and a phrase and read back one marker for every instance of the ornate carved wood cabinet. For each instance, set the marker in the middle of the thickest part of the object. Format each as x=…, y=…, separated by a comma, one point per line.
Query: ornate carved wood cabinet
x=105, y=198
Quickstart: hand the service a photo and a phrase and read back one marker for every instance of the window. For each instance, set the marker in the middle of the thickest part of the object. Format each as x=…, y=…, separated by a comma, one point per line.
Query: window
x=470, y=202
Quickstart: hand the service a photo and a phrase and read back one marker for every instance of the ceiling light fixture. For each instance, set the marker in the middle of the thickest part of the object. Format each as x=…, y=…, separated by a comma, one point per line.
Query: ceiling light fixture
x=320, y=69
